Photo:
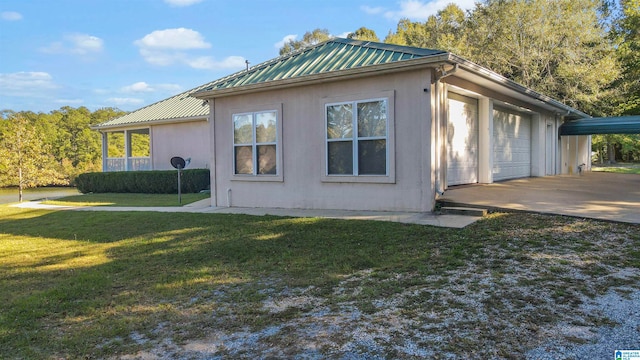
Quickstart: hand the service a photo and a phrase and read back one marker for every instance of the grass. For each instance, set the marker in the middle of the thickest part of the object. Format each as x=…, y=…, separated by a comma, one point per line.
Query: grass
x=134, y=200
x=620, y=168
x=99, y=284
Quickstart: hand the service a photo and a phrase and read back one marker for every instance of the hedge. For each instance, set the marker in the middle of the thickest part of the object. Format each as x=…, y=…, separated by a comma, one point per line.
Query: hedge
x=149, y=182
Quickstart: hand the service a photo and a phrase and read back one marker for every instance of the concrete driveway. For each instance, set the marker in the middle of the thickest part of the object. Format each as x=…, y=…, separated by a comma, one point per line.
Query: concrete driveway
x=597, y=195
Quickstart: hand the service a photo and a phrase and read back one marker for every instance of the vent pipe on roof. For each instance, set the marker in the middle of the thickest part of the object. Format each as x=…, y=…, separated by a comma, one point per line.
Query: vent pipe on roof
x=247, y=62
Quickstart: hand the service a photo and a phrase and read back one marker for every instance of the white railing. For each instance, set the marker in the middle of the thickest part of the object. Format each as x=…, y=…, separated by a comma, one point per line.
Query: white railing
x=115, y=164
x=139, y=163
x=133, y=164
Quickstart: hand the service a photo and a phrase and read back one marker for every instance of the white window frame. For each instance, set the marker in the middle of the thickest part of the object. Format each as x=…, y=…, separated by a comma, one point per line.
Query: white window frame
x=389, y=176
x=255, y=176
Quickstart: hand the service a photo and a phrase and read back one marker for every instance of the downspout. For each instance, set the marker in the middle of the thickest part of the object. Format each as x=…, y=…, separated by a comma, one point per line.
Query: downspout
x=212, y=152
x=440, y=73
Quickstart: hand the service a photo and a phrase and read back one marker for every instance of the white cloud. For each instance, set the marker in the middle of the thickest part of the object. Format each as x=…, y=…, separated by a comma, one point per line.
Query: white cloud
x=83, y=44
x=372, y=10
x=69, y=101
x=142, y=87
x=285, y=40
x=26, y=83
x=10, y=16
x=173, y=39
x=175, y=46
x=77, y=44
x=417, y=10
x=125, y=101
x=181, y=3
x=209, y=63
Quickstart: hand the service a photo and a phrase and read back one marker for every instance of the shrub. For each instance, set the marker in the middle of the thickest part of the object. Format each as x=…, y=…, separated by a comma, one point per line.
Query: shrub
x=148, y=182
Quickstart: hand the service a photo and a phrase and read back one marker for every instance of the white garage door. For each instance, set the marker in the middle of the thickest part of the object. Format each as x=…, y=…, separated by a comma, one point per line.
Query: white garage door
x=462, y=140
x=511, y=145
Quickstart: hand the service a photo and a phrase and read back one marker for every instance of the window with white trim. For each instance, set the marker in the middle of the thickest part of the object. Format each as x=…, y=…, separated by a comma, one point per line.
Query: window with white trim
x=357, y=138
x=255, y=143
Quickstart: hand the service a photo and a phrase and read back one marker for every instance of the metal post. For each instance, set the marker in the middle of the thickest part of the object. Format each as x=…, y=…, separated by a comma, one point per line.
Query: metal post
x=179, y=187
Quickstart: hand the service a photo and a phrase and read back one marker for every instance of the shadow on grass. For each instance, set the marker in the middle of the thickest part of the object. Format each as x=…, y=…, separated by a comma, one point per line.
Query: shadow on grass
x=91, y=276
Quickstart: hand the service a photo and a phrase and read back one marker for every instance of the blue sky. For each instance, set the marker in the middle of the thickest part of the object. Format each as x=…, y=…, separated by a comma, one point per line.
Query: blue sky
x=131, y=53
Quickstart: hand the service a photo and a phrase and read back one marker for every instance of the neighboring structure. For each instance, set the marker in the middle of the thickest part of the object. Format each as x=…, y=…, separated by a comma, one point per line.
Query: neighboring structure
x=357, y=125
x=146, y=139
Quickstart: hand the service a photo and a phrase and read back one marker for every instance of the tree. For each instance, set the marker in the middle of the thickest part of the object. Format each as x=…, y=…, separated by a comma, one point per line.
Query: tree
x=310, y=38
x=442, y=31
x=627, y=33
x=559, y=48
x=25, y=159
x=364, y=34
x=408, y=33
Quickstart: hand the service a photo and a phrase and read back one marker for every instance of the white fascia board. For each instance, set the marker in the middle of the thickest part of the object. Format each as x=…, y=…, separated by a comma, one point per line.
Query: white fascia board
x=146, y=124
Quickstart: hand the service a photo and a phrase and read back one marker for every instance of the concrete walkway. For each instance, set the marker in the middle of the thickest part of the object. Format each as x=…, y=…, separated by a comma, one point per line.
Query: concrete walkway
x=597, y=195
x=203, y=206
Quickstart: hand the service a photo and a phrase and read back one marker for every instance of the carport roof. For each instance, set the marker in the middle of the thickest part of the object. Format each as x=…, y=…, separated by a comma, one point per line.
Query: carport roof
x=602, y=125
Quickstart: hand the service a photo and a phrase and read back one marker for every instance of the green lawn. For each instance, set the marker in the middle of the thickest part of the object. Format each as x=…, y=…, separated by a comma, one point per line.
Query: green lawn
x=621, y=168
x=80, y=285
x=139, y=200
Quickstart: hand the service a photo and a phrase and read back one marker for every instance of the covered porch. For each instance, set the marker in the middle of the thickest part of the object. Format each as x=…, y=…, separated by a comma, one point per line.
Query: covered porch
x=126, y=150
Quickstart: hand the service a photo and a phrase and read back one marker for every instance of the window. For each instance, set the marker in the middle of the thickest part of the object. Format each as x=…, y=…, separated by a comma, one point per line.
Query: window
x=357, y=138
x=255, y=143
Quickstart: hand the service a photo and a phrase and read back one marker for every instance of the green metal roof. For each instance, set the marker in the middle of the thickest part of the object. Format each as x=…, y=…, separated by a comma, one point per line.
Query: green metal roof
x=602, y=125
x=181, y=106
x=332, y=55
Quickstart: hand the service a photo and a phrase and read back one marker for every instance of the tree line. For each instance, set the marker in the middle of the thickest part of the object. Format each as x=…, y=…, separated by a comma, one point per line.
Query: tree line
x=39, y=149
x=584, y=53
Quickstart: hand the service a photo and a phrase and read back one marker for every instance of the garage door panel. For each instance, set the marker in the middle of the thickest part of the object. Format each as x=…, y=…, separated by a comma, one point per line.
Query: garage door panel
x=511, y=145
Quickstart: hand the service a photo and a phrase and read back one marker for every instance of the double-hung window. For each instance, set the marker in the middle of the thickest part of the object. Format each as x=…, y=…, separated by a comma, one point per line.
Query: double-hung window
x=357, y=138
x=255, y=143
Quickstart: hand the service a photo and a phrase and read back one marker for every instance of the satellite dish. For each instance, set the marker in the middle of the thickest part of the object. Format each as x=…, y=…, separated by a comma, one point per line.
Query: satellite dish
x=178, y=162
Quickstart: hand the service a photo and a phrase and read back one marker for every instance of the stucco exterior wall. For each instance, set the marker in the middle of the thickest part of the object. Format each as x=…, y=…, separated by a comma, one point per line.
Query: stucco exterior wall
x=302, y=182
x=184, y=139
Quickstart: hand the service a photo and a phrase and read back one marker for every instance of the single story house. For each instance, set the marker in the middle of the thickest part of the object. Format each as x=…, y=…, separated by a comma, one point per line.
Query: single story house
x=358, y=125
x=355, y=125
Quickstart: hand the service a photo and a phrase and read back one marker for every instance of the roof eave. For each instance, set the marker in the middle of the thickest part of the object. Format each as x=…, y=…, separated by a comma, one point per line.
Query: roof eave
x=139, y=125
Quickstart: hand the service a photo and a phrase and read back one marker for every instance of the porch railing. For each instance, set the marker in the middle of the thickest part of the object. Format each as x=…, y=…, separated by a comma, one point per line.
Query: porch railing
x=133, y=164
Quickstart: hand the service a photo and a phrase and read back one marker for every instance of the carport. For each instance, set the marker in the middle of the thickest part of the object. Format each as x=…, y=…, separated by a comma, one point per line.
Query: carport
x=605, y=196
x=576, y=133
x=597, y=195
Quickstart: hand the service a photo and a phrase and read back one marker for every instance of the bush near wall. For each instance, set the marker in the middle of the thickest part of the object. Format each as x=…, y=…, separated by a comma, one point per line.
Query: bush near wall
x=148, y=182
